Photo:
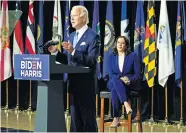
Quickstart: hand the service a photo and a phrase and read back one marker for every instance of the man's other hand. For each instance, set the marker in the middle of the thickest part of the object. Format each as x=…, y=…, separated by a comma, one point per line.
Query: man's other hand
x=52, y=49
x=67, y=46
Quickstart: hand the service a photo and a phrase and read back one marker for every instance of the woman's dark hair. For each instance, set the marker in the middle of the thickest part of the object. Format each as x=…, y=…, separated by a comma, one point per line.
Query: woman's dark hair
x=115, y=51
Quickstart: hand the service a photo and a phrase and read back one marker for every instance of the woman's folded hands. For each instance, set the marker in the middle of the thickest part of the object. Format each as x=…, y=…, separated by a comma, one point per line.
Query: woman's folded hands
x=125, y=79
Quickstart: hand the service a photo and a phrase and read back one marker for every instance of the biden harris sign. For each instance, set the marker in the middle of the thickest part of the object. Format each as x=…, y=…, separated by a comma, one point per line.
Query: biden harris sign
x=32, y=67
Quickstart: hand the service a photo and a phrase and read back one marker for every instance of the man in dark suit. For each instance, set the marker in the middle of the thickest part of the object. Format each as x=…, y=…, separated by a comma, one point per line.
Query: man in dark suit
x=81, y=50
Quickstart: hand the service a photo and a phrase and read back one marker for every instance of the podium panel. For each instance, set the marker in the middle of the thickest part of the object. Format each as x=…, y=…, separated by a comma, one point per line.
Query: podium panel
x=43, y=68
x=50, y=109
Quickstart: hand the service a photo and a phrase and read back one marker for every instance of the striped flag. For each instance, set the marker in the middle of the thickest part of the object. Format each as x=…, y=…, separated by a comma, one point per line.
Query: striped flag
x=57, y=34
x=164, y=45
x=178, y=45
x=124, y=19
x=40, y=28
x=5, y=59
x=18, y=47
x=139, y=35
x=30, y=40
x=150, y=46
x=109, y=37
x=96, y=28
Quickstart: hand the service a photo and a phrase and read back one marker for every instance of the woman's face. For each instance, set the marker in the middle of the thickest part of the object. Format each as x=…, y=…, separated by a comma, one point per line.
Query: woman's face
x=121, y=45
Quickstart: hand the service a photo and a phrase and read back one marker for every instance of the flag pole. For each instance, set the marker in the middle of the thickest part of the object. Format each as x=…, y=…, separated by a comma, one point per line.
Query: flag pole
x=67, y=109
x=68, y=97
x=66, y=35
x=166, y=121
x=30, y=98
x=152, y=106
x=17, y=105
x=181, y=85
x=97, y=92
x=6, y=107
x=181, y=104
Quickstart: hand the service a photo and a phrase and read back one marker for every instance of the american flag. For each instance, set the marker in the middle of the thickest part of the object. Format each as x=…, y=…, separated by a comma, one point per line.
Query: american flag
x=18, y=47
x=30, y=40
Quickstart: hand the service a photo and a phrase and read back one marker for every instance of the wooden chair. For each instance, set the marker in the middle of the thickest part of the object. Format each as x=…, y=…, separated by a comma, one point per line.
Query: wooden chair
x=132, y=94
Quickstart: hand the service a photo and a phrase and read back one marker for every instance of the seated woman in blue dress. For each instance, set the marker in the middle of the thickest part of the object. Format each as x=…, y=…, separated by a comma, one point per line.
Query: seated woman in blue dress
x=124, y=74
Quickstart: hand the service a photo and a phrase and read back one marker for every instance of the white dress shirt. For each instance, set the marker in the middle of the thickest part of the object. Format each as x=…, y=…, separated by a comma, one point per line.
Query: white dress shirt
x=121, y=59
x=80, y=34
x=81, y=31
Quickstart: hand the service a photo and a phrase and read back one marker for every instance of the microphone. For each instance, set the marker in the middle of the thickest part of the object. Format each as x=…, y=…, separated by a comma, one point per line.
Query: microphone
x=48, y=44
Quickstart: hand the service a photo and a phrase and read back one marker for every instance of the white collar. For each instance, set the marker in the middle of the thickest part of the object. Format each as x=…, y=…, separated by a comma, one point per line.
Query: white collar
x=81, y=31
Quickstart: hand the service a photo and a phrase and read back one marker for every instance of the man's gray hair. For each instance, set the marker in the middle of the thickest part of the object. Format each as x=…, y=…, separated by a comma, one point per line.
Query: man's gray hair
x=84, y=12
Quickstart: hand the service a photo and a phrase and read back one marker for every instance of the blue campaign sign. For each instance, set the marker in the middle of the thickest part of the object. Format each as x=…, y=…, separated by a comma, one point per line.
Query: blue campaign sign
x=32, y=67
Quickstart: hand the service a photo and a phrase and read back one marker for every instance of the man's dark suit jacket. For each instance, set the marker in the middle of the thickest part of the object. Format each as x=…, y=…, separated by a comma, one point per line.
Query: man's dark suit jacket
x=86, y=53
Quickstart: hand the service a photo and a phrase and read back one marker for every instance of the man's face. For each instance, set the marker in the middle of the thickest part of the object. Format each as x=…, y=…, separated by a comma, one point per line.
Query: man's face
x=77, y=21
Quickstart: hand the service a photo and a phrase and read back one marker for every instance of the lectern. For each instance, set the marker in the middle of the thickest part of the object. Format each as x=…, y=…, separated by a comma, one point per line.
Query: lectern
x=50, y=109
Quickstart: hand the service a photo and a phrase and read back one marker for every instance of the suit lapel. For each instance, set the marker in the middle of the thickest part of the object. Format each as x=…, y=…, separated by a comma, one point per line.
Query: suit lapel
x=125, y=62
x=117, y=63
x=83, y=37
x=71, y=38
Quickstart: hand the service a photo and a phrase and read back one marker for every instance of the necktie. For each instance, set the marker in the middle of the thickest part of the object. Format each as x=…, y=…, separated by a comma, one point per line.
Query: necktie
x=75, y=39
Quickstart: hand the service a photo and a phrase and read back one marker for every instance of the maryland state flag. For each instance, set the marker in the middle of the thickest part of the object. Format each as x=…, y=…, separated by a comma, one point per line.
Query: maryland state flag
x=150, y=46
